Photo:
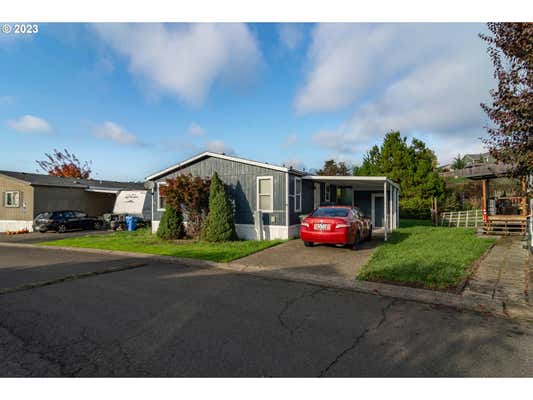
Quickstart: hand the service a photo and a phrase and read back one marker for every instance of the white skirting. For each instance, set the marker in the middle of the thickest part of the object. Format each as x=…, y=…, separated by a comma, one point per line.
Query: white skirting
x=268, y=232
x=12, y=225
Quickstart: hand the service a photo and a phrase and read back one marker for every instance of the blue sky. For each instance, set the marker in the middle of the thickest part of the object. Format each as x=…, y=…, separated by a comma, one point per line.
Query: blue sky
x=135, y=98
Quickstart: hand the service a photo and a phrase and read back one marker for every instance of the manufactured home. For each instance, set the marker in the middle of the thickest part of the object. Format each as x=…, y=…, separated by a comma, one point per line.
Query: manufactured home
x=269, y=199
x=25, y=195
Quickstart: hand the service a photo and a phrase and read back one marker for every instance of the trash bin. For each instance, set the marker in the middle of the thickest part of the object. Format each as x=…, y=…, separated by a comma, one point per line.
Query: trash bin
x=131, y=223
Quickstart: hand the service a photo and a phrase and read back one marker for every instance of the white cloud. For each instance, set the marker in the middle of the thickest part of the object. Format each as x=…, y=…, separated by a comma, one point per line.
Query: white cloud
x=114, y=132
x=185, y=59
x=290, y=34
x=30, y=123
x=291, y=140
x=218, y=146
x=417, y=78
x=196, y=130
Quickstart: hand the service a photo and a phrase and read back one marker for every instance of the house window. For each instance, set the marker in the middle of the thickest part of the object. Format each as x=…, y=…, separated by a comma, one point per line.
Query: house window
x=265, y=193
x=327, y=193
x=161, y=200
x=297, y=194
x=12, y=199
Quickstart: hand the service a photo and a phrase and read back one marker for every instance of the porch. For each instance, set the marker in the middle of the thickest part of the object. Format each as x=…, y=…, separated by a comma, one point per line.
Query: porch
x=377, y=196
x=503, y=214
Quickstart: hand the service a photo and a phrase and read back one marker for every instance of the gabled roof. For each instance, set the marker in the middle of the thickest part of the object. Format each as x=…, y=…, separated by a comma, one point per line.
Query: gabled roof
x=48, y=180
x=222, y=156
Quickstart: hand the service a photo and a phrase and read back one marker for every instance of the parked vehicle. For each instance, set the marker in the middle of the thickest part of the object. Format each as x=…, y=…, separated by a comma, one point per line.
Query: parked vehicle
x=118, y=222
x=340, y=225
x=62, y=221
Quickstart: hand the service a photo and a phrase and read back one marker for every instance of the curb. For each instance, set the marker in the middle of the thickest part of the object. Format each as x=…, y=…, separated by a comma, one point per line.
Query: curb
x=476, y=303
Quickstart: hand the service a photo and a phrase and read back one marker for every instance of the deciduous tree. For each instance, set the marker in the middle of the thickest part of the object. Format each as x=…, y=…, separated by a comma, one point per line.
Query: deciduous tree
x=332, y=168
x=510, y=139
x=65, y=164
x=192, y=195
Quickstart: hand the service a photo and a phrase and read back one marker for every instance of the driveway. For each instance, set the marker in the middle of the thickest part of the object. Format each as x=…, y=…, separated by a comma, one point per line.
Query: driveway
x=319, y=260
x=168, y=320
x=37, y=237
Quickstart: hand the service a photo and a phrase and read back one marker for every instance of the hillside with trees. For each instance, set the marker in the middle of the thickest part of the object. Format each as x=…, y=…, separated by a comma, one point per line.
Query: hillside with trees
x=412, y=165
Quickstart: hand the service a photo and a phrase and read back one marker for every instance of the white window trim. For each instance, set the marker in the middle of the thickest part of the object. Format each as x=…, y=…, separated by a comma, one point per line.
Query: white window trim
x=297, y=205
x=327, y=193
x=159, y=197
x=5, y=199
x=271, y=178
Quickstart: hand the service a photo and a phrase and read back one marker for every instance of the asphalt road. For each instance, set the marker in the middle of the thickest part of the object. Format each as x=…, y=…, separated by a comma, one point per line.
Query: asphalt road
x=166, y=320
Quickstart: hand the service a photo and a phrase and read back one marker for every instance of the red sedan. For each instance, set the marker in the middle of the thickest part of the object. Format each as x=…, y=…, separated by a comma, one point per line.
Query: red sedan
x=342, y=225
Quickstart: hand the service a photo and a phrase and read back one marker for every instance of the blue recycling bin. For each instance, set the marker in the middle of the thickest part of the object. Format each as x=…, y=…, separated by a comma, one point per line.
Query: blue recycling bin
x=131, y=223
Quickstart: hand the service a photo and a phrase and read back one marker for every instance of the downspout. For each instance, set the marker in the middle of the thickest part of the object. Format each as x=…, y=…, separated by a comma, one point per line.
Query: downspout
x=385, y=223
x=287, y=221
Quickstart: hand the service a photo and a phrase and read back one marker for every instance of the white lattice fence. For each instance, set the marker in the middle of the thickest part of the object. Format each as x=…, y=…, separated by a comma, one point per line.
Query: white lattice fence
x=468, y=218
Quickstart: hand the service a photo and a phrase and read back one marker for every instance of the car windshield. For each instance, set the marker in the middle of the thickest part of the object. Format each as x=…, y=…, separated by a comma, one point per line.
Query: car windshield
x=44, y=215
x=330, y=212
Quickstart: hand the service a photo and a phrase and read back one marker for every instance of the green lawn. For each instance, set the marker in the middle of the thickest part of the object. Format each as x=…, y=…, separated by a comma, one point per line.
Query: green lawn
x=418, y=254
x=143, y=241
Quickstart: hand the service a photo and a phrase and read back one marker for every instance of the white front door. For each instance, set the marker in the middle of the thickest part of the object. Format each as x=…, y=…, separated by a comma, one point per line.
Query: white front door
x=317, y=195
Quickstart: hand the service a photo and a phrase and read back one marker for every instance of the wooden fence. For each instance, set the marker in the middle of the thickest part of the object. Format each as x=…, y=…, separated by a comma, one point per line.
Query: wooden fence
x=467, y=219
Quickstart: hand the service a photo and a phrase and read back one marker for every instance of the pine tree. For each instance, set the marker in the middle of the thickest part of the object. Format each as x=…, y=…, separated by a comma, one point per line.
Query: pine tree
x=171, y=225
x=219, y=225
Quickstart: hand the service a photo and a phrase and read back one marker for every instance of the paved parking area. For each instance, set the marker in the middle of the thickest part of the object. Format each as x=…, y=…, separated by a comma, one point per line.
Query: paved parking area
x=169, y=320
x=37, y=237
x=320, y=260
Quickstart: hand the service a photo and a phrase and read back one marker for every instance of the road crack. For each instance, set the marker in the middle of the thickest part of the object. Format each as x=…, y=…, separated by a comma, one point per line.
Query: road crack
x=290, y=303
x=358, y=338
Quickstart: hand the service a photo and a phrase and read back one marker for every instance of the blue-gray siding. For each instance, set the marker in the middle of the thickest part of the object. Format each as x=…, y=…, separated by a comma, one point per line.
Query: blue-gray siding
x=242, y=183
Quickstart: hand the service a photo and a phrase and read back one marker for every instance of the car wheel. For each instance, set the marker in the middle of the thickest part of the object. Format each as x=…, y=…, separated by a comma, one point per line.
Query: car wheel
x=61, y=228
x=309, y=244
x=355, y=244
x=97, y=225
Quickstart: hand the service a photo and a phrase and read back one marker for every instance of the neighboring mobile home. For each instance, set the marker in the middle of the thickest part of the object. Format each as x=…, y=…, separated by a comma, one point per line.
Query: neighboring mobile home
x=25, y=195
x=269, y=199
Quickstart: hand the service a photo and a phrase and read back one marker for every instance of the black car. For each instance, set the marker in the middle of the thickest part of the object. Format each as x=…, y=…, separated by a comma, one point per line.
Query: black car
x=61, y=221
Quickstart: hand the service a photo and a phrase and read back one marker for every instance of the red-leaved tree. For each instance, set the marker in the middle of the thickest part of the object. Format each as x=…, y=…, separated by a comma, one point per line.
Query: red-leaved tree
x=510, y=140
x=65, y=164
x=191, y=194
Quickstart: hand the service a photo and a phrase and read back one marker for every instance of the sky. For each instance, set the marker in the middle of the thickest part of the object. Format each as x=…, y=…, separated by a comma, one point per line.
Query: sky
x=136, y=98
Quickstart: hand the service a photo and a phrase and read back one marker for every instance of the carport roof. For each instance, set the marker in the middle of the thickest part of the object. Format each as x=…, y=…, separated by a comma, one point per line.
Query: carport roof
x=358, y=182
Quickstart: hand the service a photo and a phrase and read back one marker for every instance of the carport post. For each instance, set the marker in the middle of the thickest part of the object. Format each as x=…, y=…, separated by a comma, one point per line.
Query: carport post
x=385, y=209
x=391, y=199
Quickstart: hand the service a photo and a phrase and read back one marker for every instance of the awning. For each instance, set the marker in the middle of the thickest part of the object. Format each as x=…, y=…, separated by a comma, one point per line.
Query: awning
x=357, y=182
x=103, y=190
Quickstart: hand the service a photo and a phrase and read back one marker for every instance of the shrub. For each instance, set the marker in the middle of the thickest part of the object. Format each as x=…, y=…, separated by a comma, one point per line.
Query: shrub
x=171, y=225
x=415, y=207
x=190, y=194
x=219, y=225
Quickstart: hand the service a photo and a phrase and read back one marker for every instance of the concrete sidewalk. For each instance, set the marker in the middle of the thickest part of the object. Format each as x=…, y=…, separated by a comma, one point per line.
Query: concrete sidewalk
x=504, y=274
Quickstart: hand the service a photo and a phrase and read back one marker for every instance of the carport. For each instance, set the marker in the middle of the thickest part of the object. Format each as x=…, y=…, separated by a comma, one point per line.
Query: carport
x=377, y=196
